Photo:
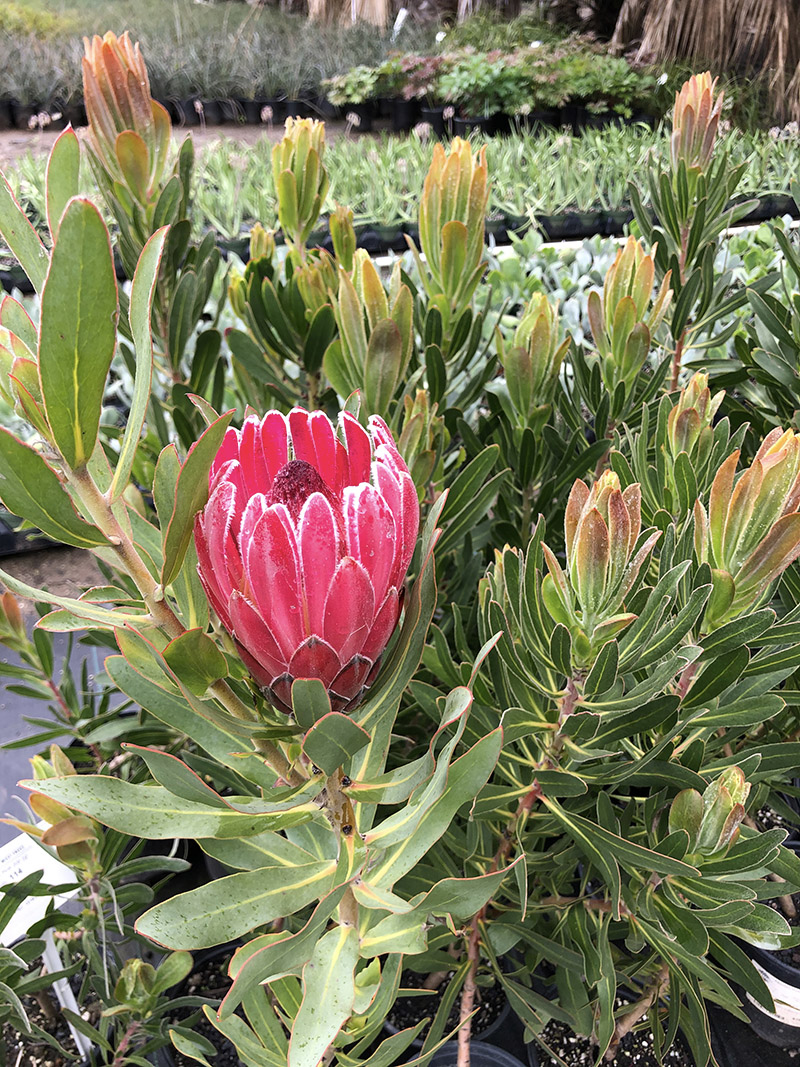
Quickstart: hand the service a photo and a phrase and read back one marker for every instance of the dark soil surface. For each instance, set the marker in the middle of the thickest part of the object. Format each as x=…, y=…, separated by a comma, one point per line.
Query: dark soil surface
x=636, y=1050
x=407, y=1011
x=210, y=980
x=769, y=819
x=23, y=1051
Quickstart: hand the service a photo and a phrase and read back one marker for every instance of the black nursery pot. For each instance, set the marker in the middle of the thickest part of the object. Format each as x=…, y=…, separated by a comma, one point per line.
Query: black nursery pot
x=186, y=112
x=22, y=114
x=75, y=115
x=616, y=221
x=294, y=109
x=263, y=112
x=404, y=114
x=464, y=127
x=363, y=113
x=782, y=977
x=782, y=1027
x=212, y=112
x=480, y=1055
x=232, y=111
x=325, y=109
x=6, y=120
x=434, y=116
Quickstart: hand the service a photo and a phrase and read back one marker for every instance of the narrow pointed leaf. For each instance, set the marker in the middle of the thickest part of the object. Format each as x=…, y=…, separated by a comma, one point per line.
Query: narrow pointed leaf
x=141, y=303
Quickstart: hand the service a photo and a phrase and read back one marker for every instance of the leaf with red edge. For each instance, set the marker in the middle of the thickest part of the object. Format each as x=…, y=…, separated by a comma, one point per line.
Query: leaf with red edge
x=191, y=494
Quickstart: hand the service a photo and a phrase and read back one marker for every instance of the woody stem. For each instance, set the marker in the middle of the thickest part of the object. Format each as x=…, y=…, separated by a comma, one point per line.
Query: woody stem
x=101, y=512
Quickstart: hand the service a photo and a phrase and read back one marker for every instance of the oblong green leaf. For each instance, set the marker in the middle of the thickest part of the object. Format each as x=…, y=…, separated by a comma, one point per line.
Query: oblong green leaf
x=152, y=812
x=63, y=177
x=333, y=740
x=229, y=907
x=78, y=331
x=30, y=488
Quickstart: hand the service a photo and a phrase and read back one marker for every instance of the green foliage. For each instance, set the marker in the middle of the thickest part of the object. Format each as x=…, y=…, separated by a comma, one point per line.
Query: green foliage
x=593, y=687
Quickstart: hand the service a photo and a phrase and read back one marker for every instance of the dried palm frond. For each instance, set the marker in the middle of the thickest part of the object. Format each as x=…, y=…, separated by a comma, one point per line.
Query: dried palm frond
x=752, y=37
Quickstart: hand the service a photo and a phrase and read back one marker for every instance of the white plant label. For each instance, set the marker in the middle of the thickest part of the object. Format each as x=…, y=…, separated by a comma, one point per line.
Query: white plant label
x=786, y=997
x=22, y=857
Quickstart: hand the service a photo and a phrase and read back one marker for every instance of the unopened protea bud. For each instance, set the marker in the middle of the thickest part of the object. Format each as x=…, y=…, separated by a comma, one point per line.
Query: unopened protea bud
x=452, y=217
x=695, y=119
x=303, y=548
x=625, y=319
x=533, y=364
x=711, y=820
x=376, y=336
x=129, y=132
x=300, y=177
x=422, y=436
x=262, y=243
x=752, y=531
x=689, y=421
x=316, y=280
x=12, y=628
x=343, y=236
x=601, y=527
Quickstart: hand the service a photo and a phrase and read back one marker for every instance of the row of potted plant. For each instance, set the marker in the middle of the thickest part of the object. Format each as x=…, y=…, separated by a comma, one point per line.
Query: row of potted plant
x=571, y=185
x=573, y=81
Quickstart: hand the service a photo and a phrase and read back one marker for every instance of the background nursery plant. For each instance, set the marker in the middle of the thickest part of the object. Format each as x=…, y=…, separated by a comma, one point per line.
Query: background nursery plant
x=473, y=645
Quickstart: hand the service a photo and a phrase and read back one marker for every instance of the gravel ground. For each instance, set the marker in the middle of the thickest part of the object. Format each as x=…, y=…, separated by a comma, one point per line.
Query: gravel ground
x=14, y=144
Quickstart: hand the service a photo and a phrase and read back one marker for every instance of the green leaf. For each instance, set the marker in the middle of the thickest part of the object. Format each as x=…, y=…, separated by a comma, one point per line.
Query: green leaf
x=175, y=776
x=403, y=932
x=561, y=649
x=191, y=494
x=141, y=304
x=328, y=996
x=197, y=660
x=173, y=969
x=22, y=238
x=262, y=850
x=465, y=778
x=229, y=907
x=382, y=365
x=152, y=812
x=604, y=671
x=192, y=1046
x=734, y=634
x=181, y=316
x=333, y=740
x=561, y=783
x=627, y=853
x=249, y=1048
x=275, y=955
x=310, y=701
x=78, y=331
x=30, y=488
x=85, y=609
x=716, y=677
x=63, y=177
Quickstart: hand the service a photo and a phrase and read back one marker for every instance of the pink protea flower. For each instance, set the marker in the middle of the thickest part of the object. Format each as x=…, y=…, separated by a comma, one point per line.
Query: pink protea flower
x=303, y=548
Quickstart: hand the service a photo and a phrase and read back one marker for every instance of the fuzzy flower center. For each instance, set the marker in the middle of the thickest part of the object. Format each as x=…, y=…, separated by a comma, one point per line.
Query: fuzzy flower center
x=294, y=484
